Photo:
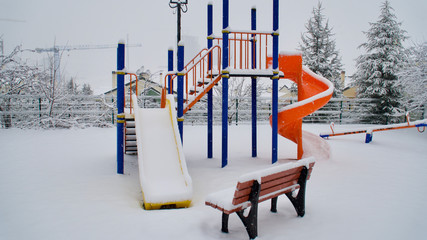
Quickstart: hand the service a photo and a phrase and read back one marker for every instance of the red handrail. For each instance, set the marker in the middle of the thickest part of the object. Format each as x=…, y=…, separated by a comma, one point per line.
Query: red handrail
x=201, y=64
x=173, y=75
x=196, y=73
x=130, y=90
x=239, y=44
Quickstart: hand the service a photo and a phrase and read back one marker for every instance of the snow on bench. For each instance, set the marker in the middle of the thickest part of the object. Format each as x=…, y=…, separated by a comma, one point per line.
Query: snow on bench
x=260, y=186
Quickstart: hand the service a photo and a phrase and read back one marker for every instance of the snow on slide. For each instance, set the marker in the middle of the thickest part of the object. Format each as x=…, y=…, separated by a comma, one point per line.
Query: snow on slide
x=164, y=178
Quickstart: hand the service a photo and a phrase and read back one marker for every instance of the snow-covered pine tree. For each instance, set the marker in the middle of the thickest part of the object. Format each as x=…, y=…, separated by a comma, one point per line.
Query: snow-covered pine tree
x=87, y=90
x=377, y=70
x=413, y=79
x=71, y=87
x=319, y=51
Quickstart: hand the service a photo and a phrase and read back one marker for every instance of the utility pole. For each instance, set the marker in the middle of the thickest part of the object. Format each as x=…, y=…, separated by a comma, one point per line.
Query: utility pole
x=180, y=5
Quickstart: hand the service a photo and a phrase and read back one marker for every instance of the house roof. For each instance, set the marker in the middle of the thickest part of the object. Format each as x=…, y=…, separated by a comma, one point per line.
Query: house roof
x=150, y=85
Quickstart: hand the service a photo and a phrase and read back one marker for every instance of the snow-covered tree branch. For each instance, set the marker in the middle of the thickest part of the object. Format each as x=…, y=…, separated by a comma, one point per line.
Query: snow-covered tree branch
x=413, y=78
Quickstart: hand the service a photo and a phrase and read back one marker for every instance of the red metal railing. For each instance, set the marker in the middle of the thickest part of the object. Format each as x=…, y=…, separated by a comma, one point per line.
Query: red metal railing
x=173, y=75
x=241, y=51
x=198, y=74
x=130, y=90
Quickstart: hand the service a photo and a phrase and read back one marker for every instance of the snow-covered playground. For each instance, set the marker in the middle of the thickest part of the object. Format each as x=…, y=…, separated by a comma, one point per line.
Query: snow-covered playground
x=62, y=184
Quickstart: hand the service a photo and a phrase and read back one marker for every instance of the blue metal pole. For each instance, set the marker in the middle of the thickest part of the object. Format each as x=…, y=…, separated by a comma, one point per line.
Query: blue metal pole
x=180, y=90
x=254, y=86
x=210, y=93
x=275, y=80
x=225, y=77
x=120, y=106
x=170, y=69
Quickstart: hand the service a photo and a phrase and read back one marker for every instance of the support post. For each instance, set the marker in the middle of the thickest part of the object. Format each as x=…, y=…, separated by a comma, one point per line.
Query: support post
x=237, y=111
x=178, y=25
x=225, y=77
x=120, y=106
x=299, y=201
x=180, y=90
x=275, y=80
x=224, y=227
x=210, y=93
x=254, y=86
x=368, y=137
x=170, y=69
x=251, y=220
x=274, y=204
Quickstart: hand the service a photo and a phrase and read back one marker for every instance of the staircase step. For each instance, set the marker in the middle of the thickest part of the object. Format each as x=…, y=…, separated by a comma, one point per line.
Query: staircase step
x=192, y=92
x=131, y=152
x=130, y=137
x=130, y=131
x=130, y=143
x=131, y=149
x=201, y=83
x=130, y=124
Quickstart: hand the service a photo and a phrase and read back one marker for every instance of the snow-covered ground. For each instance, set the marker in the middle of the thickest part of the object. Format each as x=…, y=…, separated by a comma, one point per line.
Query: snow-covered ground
x=62, y=184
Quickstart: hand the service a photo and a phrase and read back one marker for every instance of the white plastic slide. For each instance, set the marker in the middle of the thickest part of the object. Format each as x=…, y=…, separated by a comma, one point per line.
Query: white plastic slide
x=163, y=174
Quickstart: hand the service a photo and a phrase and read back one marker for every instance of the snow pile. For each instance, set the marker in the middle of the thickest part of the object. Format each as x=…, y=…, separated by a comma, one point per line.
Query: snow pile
x=315, y=146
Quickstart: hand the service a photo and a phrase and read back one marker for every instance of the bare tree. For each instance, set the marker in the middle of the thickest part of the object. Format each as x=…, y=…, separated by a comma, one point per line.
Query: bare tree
x=238, y=90
x=15, y=79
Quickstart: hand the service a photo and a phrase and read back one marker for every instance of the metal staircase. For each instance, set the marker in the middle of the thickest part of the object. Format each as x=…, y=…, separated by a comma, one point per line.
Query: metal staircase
x=130, y=136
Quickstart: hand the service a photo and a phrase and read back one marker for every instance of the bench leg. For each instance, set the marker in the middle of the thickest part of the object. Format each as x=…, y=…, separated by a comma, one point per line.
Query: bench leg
x=299, y=200
x=224, y=228
x=251, y=220
x=274, y=205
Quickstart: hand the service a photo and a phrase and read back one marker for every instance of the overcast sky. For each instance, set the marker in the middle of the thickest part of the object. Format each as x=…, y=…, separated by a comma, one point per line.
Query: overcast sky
x=41, y=23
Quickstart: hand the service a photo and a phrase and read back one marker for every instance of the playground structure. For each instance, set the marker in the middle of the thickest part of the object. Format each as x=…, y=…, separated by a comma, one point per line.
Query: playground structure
x=235, y=54
x=420, y=124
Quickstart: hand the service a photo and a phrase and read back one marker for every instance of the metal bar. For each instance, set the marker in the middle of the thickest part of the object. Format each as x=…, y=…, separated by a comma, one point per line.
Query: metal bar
x=225, y=49
x=274, y=150
x=120, y=107
x=210, y=94
x=254, y=87
x=170, y=69
x=241, y=50
x=180, y=89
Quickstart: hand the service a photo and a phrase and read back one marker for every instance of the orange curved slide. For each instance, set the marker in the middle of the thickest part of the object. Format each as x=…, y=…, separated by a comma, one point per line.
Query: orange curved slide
x=314, y=92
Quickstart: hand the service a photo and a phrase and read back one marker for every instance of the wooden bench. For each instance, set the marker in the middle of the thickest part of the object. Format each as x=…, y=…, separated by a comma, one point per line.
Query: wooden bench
x=262, y=185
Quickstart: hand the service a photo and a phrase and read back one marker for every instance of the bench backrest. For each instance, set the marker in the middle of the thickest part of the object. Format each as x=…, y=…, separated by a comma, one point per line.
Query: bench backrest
x=274, y=181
